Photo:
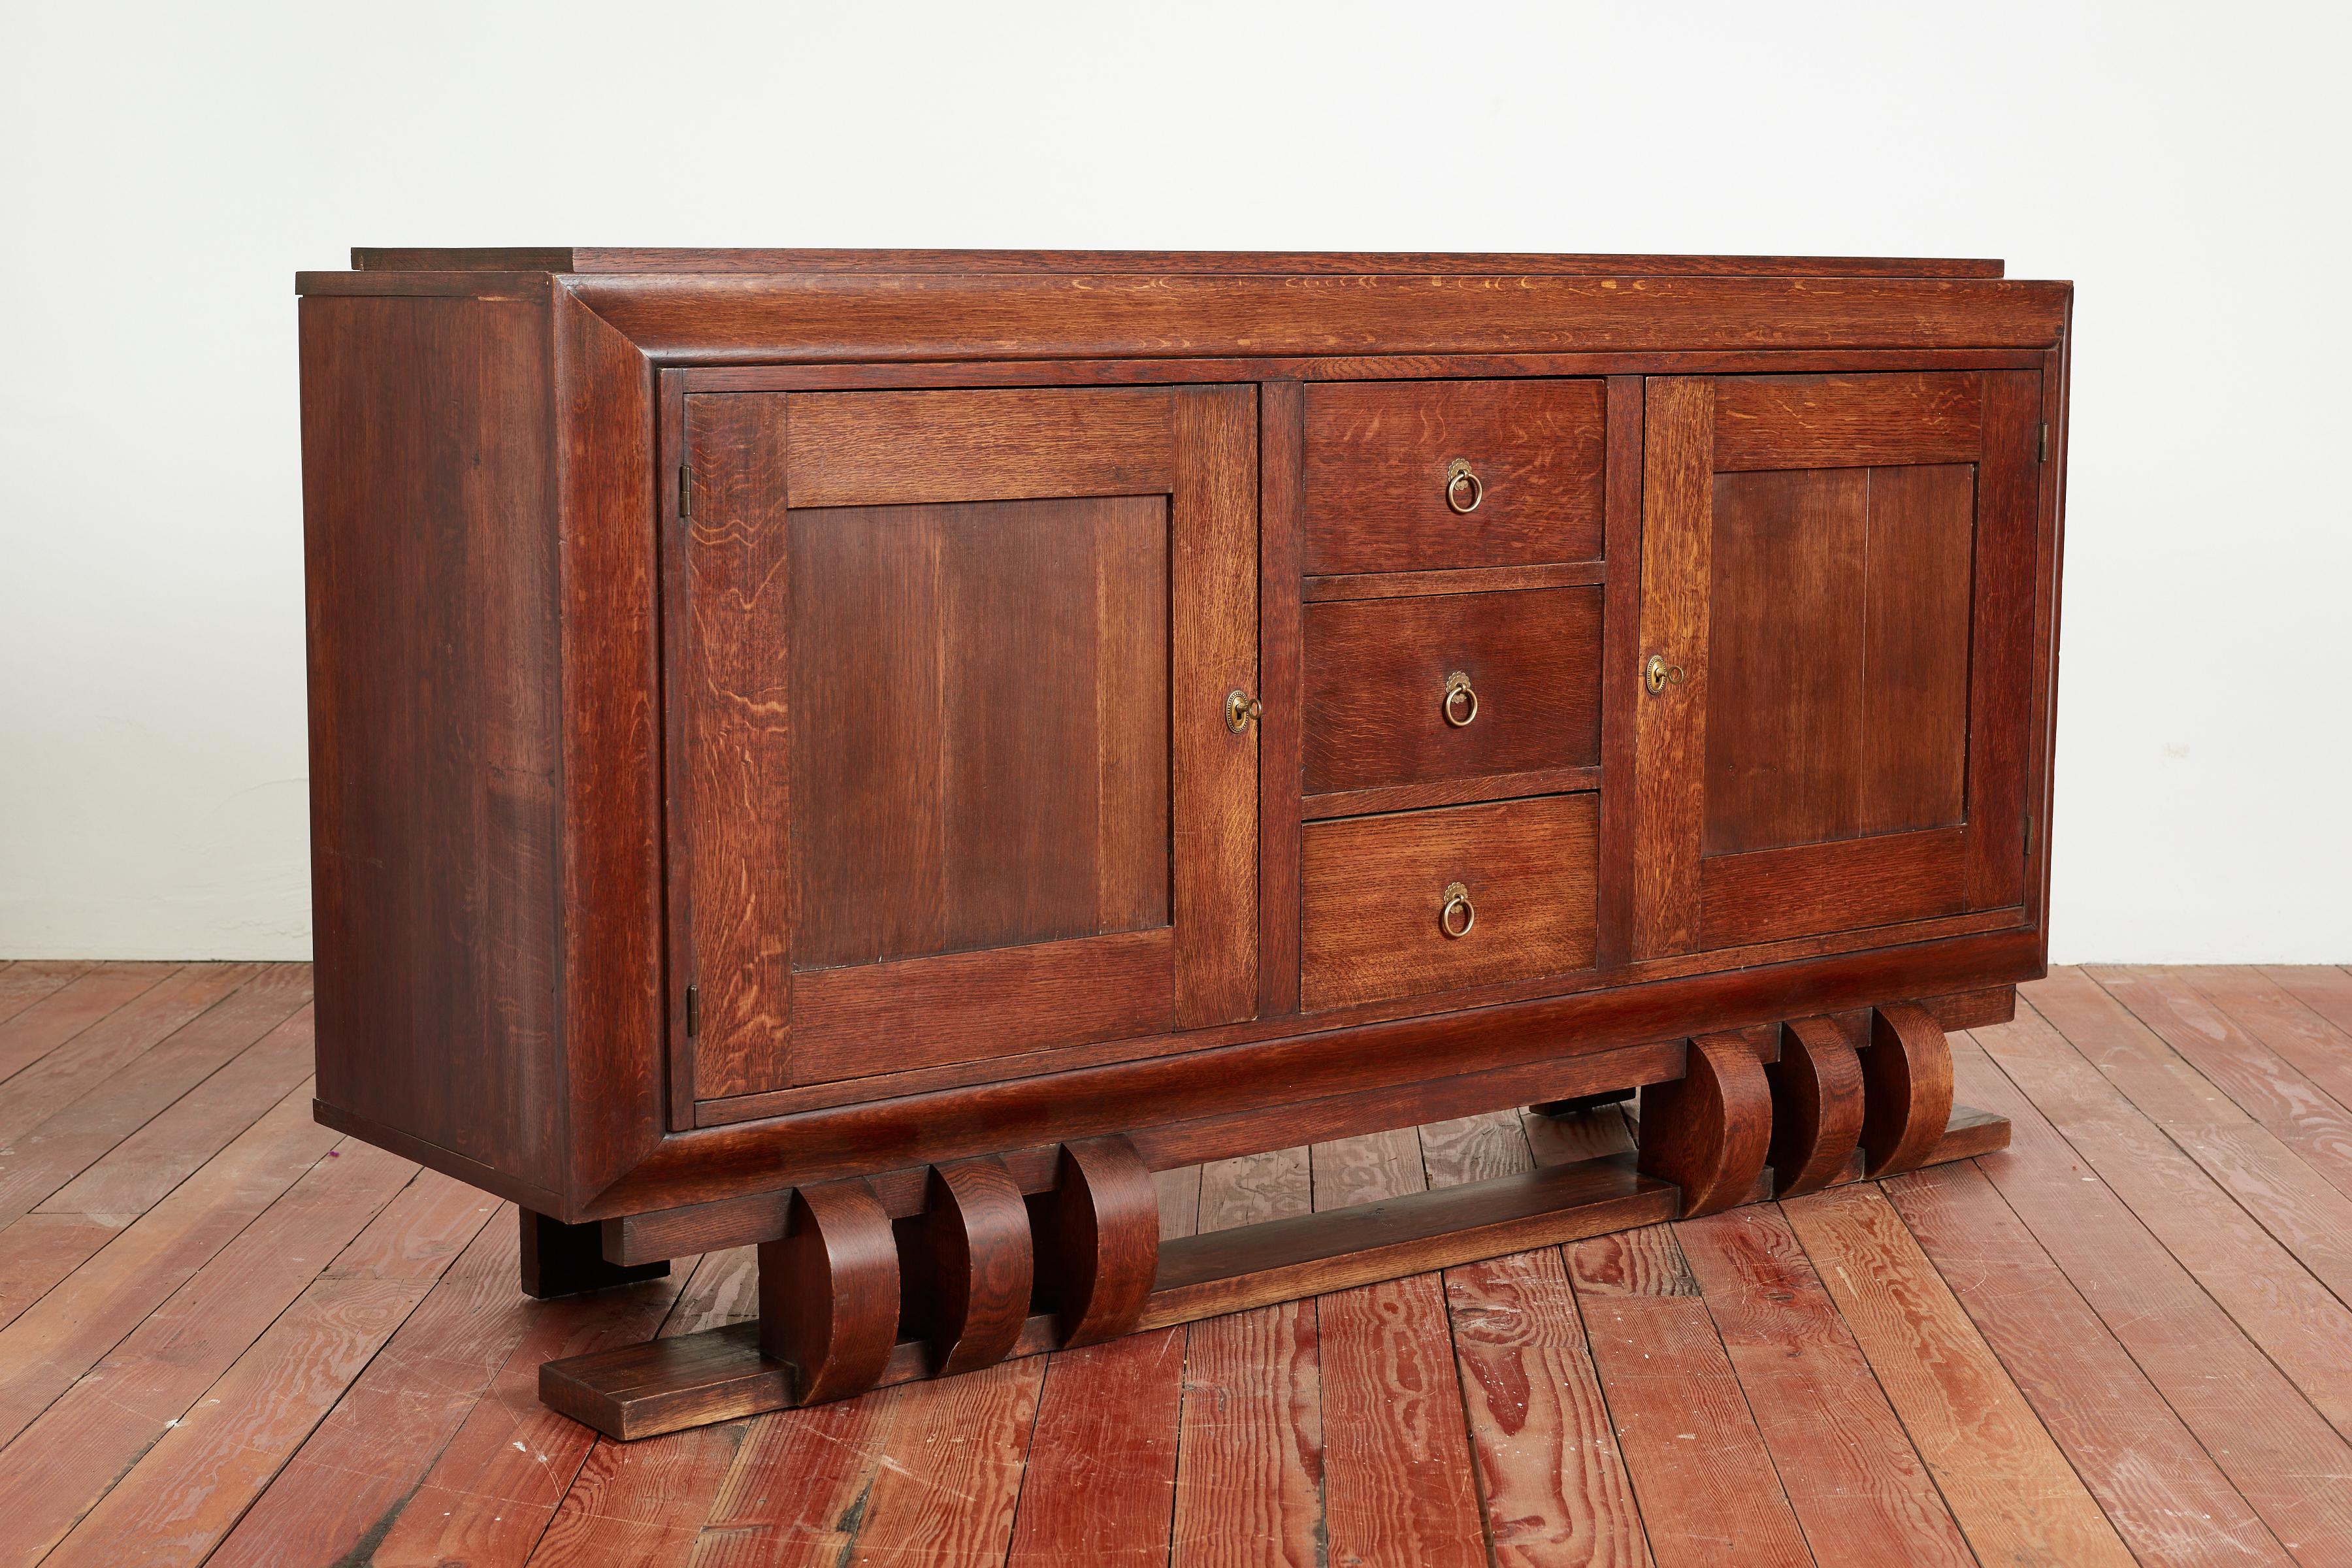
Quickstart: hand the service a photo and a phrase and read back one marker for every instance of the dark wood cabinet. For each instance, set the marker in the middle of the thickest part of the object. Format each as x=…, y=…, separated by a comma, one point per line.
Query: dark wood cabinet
x=873, y=755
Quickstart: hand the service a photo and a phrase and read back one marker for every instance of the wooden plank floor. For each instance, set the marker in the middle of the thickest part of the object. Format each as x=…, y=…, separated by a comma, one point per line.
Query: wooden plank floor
x=228, y=1335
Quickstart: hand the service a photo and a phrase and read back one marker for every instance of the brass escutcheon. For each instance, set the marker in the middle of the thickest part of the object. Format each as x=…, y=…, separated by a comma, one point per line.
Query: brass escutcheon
x=1457, y=897
x=1240, y=707
x=1462, y=489
x=1657, y=674
x=1457, y=690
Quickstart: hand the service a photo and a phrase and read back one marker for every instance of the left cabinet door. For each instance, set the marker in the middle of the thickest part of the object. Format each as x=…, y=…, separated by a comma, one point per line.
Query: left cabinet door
x=949, y=765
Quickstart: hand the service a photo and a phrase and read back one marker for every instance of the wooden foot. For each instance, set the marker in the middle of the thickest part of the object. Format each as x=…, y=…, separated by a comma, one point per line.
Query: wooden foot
x=566, y=1259
x=1817, y=1107
x=829, y=1291
x=1098, y=1240
x=1907, y=1075
x=1708, y=1131
x=719, y=1374
x=967, y=1265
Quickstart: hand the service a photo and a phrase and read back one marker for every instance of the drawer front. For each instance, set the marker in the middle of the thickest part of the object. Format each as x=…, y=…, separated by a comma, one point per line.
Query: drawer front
x=1453, y=686
x=1374, y=893
x=1378, y=455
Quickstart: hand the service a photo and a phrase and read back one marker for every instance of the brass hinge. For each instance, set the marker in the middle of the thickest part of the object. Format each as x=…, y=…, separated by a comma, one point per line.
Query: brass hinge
x=2046, y=441
x=693, y=1011
x=686, y=488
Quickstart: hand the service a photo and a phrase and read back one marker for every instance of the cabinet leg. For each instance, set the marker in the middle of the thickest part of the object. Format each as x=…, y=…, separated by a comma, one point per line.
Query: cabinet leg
x=829, y=1291
x=1907, y=1075
x=1708, y=1131
x=969, y=1266
x=1098, y=1240
x=560, y=1259
x=1817, y=1107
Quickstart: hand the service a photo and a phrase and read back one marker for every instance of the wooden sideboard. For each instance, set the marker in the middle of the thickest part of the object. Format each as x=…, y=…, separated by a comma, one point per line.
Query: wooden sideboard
x=874, y=753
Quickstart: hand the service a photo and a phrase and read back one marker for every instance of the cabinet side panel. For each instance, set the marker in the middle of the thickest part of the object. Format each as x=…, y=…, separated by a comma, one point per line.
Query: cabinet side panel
x=430, y=560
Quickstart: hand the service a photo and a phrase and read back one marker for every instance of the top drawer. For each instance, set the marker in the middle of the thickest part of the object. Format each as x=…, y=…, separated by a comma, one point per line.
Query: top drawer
x=1379, y=457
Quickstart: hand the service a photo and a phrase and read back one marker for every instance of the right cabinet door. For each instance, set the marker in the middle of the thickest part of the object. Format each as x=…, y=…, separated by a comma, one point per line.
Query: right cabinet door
x=1834, y=708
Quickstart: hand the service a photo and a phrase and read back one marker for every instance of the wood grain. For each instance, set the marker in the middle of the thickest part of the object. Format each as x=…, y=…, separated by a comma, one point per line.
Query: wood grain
x=2148, y=1470
x=1397, y=1485
x=1214, y=650
x=1249, y=1465
x=1669, y=785
x=2257, y=1426
x=2299, y=1324
x=54, y=1014
x=1376, y=470
x=1100, y=1483
x=719, y=319
x=1709, y=1130
x=25, y=981
x=1281, y=741
x=434, y=747
x=1847, y=422
x=1706, y=1483
x=216, y=1456
x=1856, y=1484
x=61, y=1458
x=1552, y=1481
x=1373, y=887
x=1377, y=673
x=2005, y=1481
x=730, y=587
x=901, y=448
x=53, y=1152
x=1434, y=263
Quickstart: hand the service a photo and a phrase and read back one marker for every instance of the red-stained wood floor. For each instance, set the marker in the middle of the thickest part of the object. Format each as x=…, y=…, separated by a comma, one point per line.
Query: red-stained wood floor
x=229, y=1335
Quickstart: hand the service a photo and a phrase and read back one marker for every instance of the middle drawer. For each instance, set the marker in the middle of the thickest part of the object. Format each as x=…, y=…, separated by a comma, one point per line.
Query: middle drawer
x=1450, y=687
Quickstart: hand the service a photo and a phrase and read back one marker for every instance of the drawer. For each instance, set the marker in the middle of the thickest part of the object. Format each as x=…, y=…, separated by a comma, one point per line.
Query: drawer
x=1377, y=461
x=1373, y=892
x=1525, y=666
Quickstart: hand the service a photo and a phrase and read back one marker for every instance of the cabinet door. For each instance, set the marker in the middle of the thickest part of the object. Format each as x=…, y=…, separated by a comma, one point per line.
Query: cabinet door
x=952, y=771
x=1833, y=720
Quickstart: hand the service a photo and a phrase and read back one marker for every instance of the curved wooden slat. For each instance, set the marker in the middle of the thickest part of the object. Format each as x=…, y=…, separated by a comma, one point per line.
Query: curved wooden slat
x=970, y=1265
x=1099, y=1247
x=1708, y=1131
x=1907, y=1077
x=829, y=1291
x=1817, y=1106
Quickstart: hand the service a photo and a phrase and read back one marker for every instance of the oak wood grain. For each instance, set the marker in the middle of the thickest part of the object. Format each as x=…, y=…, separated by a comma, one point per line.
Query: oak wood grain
x=1378, y=675
x=1374, y=887
x=1377, y=468
x=1669, y=778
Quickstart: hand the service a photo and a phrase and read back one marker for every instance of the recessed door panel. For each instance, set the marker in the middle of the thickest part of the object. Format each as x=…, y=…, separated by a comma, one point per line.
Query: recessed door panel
x=1837, y=577
x=951, y=776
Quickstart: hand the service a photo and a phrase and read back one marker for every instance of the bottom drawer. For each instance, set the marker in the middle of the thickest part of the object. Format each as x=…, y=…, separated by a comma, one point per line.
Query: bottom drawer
x=1376, y=917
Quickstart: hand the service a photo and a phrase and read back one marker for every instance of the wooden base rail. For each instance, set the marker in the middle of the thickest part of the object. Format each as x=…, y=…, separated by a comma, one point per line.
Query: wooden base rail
x=852, y=1298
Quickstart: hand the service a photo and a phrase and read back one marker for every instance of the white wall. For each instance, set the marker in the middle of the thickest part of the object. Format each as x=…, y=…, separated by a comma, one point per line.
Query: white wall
x=168, y=168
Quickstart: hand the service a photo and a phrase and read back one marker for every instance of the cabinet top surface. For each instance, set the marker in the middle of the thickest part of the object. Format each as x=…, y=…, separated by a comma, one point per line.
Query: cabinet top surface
x=577, y=259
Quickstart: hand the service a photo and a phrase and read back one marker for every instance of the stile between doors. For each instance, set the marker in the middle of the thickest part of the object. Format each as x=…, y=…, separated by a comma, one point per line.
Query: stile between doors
x=951, y=773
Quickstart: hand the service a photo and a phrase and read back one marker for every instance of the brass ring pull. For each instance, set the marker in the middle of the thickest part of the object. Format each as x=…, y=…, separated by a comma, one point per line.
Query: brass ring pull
x=1240, y=707
x=1462, y=489
x=1657, y=674
x=1457, y=690
x=1457, y=908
